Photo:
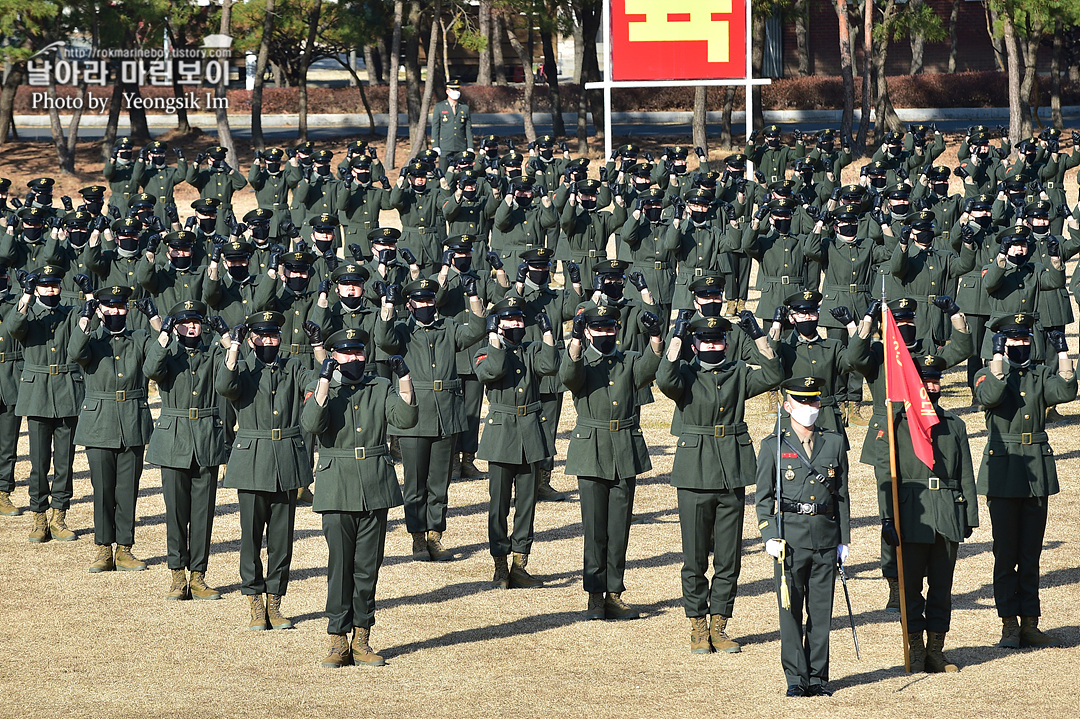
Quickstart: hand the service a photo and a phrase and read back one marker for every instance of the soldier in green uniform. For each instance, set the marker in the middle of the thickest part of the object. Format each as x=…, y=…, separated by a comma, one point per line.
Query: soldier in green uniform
x=157, y=178
x=976, y=226
x=119, y=172
x=218, y=181
x=119, y=266
x=470, y=210
x=268, y=462
x=188, y=441
x=420, y=209
x=78, y=249
x=325, y=242
x=50, y=395
x=714, y=463
x=272, y=179
x=430, y=343
x=587, y=228
x=349, y=411
x=772, y=157
x=361, y=149
x=114, y=424
x=520, y=225
x=258, y=224
x=451, y=125
x=807, y=529
x=1019, y=473
x=644, y=240
x=703, y=247
x=514, y=444
x=239, y=293
x=26, y=245
x=316, y=194
x=780, y=254
x=176, y=280
x=11, y=366
x=360, y=202
x=607, y=450
x=938, y=510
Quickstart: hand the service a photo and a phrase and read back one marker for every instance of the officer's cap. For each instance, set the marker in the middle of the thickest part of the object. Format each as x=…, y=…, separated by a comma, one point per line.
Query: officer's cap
x=127, y=226
x=266, y=323
x=467, y=155
x=238, y=250
x=772, y=131
x=50, y=274
x=538, y=256
x=218, y=152
x=349, y=339
x=642, y=169
x=877, y=167
x=852, y=191
x=545, y=141
x=699, y=196
x=1015, y=184
x=901, y=191
x=707, y=179
x=521, y=184
x=803, y=389
x=35, y=215
x=206, y=205
x=904, y=308
x=930, y=366
x=323, y=156
x=350, y=274
x=360, y=162
x=143, y=199
x=611, y=267
x=736, y=161
x=156, y=146
x=710, y=328
x=1014, y=325
x=679, y=152
x=357, y=146
x=384, y=235
x=461, y=243
x=180, y=239
x=894, y=138
x=783, y=206
x=324, y=222
x=513, y=158
x=453, y=84
x=628, y=150
x=806, y=301
x=708, y=285
x=42, y=185
x=924, y=220
x=188, y=310
x=274, y=154
x=78, y=218
x=93, y=192
x=298, y=261
x=984, y=201
x=258, y=215
x=422, y=288
x=847, y=213
x=305, y=147
x=979, y=138
x=418, y=168
x=602, y=316
x=938, y=172
x=509, y=307
x=1017, y=235
x=782, y=187
x=124, y=142
x=491, y=141
x=652, y=194
x=587, y=187
x=1041, y=208
x=116, y=295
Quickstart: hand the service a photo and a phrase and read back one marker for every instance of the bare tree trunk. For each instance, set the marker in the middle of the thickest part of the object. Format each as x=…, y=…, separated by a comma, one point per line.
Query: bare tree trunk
x=109, y=138
x=1029, y=87
x=305, y=63
x=1055, y=79
x=867, y=68
x=579, y=51
x=887, y=120
x=1000, y=44
x=373, y=66
x=551, y=71
x=1017, y=106
x=725, y=121
x=802, y=36
x=140, y=131
x=65, y=145
x=530, y=80
x=497, y=49
x=392, y=76
x=918, y=43
x=7, y=100
x=260, y=70
x=363, y=95
x=701, y=107
x=582, y=122
x=412, y=66
x=483, y=74
x=225, y=138
x=418, y=129
x=954, y=34
x=757, y=61
x=848, y=117
x=590, y=17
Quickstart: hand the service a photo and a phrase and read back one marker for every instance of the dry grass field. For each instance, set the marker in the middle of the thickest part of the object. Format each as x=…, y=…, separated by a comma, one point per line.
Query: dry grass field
x=108, y=645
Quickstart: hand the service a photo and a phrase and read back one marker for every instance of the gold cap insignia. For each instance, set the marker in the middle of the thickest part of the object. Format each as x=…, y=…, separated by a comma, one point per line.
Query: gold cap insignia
x=808, y=382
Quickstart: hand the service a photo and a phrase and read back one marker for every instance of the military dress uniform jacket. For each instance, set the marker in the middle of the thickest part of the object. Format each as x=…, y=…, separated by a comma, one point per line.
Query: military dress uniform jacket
x=76, y=261
x=781, y=264
x=297, y=307
x=701, y=251
x=773, y=163
x=587, y=234
x=11, y=355
x=168, y=285
x=830, y=525
x=358, y=208
x=272, y=192
x=934, y=501
x=472, y=217
x=825, y=358
x=560, y=306
x=423, y=227
x=19, y=254
x=233, y=300
x=451, y=128
x=1055, y=305
x=1017, y=289
x=122, y=183
x=511, y=375
x=160, y=181
x=355, y=472
x=189, y=431
x=849, y=271
x=115, y=413
x=970, y=294
x=51, y=384
x=1018, y=460
x=714, y=451
x=518, y=229
x=268, y=454
x=315, y=195
x=218, y=185
x=430, y=353
x=454, y=303
x=607, y=441
x=925, y=274
x=652, y=249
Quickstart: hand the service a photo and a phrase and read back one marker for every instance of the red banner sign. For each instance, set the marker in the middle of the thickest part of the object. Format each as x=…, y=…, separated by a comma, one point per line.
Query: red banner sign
x=678, y=39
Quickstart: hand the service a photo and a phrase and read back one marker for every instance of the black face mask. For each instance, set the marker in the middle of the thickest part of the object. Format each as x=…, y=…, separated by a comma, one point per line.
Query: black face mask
x=238, y=272
x=78, y=238
x=984, y=222
x=352, y=304
x=940, y=188
x=322, y=169
x=847, y=230
x=513, y=335
x=642, y=183
x=181, y=262
x=652, y=214
x=463, y=264
x=782, y=226
x=604, y=344
x=424, y=315
x=1017, y=260
x=934, y=397
x=878, y=182
x=50, y=301
x=699, y=217
x=1040, y=230
x=539, y=277
x=773, y=142
x=524, y=201
x=711, y=356
x=94, y=208
x=1018, y=354
x=114, y=323
x=32, y=234
x=207, y=224
x=469, y=194
x=419, y=189
x=900, y=209
x=807, y=328
x=323, y=245
x=679, y=168
x=908, y=333
x=513, y=172
x=266, y=353
x=362, y=177
x=386, y=256
x=352, y=370
x=307, y=161
x=217, y=166
x=545, y=153
x=296, y=284
x=190, y=342
x=129, y=245
x=614, y=290
x=158, y=160
x=711, y=309
x=273, y=167
x=588, y=205
x=923, y=238
x=260, y=231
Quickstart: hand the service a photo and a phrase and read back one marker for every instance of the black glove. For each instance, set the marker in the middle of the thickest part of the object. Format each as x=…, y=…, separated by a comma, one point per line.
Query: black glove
x=761, y=212
x=967, y=235
x=30, y=282
x=469, y=285
x=239, y=332
x=748, y=324
x=780, y=315
x=168, y=323
x=357, y=252
x=651, y=323
x=447, y=258
x=638, y=281
x=1053, y=247
x=842, y=315
x=300, y=245
x=99, y=223
x=946, y=304
x=398, y=366
x=494, y=260
x=179, y=152
x=878, y=215
x=384, y=181
x=905, y=234
x=999, y=343
x=962, y=173
x=313, y=332
x=215, y=252
x=1064, y=211
x=492, y=324
x=332, y=260
x=740, y=185
x=835, y=196
x=379, y=288
x=577, y=327
x=874, y=308
x=813, y=211
x=66, y=202
x=89, y=308
x=682, y=327
x=543, y=322
x=1057, y=340
x=968, y=531
x=522, y=272
x=393, y=294
x=218, y=325
x=84, y=283
x=200, y=158
x=147, y=307
x=153, y=242
x=598, y=283
x=888, y=533
x=275, y=259
x=327, y=370
x=114, y=212
x=409, y=257
x=603, y=174
x=324, y=287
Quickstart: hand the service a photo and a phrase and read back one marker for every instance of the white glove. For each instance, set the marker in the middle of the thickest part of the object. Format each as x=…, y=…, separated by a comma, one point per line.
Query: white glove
x=774, y=547
x=438, y=150
x=842, y=553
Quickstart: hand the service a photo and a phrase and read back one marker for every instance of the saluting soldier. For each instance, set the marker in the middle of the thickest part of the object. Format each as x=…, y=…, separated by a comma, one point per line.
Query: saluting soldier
x=188, y=441
x=119, y=172
x=268, y=462
x=420, y=211
x=360, y=202
x=11, y=366
x=514, y=444
x=78, y=250
x=703, y=247
x=176, y=280
x=780, y=254
x=118, y=268
x=349, y=410
x=384, y=265
x=158, y=179
x=976, y=226
x=938, y=510
x=772, y=157
x=807, y=529
x=258, y=224
x=25, y=244
x=272, y=178
x=519, y=224
x=470, y=210
x=1019, y=473
x=239, y=293
x=219, y=181
x=317, y=194
x=607, y=450
x=451, y=125
x=644, y=241
x=587, y=228
x=714, y=463
x=114, y=424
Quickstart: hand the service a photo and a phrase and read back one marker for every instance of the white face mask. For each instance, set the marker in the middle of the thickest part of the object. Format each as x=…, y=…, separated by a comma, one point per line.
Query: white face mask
x=803, y=414
x=453, y=94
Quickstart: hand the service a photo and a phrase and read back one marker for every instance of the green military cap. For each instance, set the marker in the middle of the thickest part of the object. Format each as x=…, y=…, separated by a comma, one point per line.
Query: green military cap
x=711, y=285
x=807, y=163
x=206, y=205
x=78, y=218
x=806, y=301
x=298, y=261
x=156, y=146
x=467, y=155
x=904, y=308
x=1014, y=325
x=180, y=239
x=509, y=307
x=418, y=168
x=1027, y=145
x=521, y=184
x=115, y=295
x=258, y=215
x=274, y=154
x=803, y=389
x=736, y=161
x=93, y=192
x=699, y=196
x=979, y=138
x=877, y=167
x=545, y=141
x=978, y=128
x=611, y=267
x=422, y=288
x=1015, y=184
x=847, y=213
x=1050, y=133
x=710, y=328
x=463, y=243
x=930, y=366
x=652, y=194
x=602, y=316
x=938, y=172
x=642, y=169
x=143, y=199
x=305, y=147
x=783, y=206
x=468, y=177
x=924, y=220
x=538, y=256
x=50, y=274
x=707, y=179
x=628, y=150
x=41, y=185
x=265, y=323
x=5, y=184
x=828, y=133
x=893, y=138
x=773, y=130
x=587, y=187
x=900, y=191
x=984, y=201
x=856, y=191
x=360, y=162
x=679, y=152
x=349, y=274
x=31, y=214
x=323, y=156
x=237, y=250
x=357, y=146
x=453, y=84
x=384, y=235
x=1040, y=208
x=188, y=310
x=218, y=152
x=430, y=157
x=123, y=142
x=917, y=128
x=782, y=187
x=324, y=222
x=579, y=164
x=127, y=226
x=490, y=141
x=348, y=339
x=1016, y=235
x=513, y=158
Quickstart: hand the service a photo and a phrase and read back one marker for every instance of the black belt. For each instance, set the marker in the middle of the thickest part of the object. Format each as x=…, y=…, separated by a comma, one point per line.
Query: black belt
x=716, y=430
x=190, y=413
x=520, y=410
x=354, y=452
x=807, y=508
x=274, y=434
x=120, y=395
x=933, y=482
x=611, y=425
x=439, y=385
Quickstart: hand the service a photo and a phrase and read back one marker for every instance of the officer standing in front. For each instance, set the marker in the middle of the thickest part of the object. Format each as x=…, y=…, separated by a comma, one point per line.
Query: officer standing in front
x=451, y=125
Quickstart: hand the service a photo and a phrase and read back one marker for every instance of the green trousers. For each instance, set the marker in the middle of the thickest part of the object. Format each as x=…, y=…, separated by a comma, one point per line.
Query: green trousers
x=934, y=562
x=606, y=509
x=273, y=514
x=469, y=440
x=356, y=542
x=190, y=498
x=711, y=521
x=51, y=445
x=114, y=474
x=804, y=629
x=521, y=480
x=1018, y=524
x=550, y=412
x=9, y=446
x=426, y=462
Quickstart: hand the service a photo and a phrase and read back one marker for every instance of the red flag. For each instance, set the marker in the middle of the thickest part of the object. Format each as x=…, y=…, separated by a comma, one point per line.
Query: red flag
x=903, y=384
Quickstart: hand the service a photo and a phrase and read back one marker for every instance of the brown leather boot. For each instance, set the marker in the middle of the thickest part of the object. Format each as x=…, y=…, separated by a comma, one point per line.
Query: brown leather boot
x=436, y=550
x=39, y=531
x=199, y=588
x=273, y=613
x=596, y=606
x=258, y=613
x=304, y=496
x=501, y=580
x=520, y=577
x=699, y=636
x=103, y=559
x=363, y=653
x=545, y=492
x=419, y=547
x=718, y=637
x=916, y=652
x=893, y=604
x=935, y=657
x=58, y=527
x=1032, y=636
x=340, y=655
x=178, y=589
x=7, y=509
x=616, y=608
x=1010, y=633
x=455, y=466
x=469, y=470
x=126, y=561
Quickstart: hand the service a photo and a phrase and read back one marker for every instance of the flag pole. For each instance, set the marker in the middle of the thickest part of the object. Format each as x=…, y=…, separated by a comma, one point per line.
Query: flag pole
x=895, y=488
